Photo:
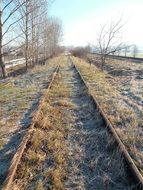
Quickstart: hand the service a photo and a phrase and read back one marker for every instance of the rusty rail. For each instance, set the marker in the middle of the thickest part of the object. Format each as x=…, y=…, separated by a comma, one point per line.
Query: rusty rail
x=17, y=157
x=136, y=175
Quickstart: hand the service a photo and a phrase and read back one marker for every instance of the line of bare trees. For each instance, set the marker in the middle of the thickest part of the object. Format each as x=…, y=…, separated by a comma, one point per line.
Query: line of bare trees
x=25, y=25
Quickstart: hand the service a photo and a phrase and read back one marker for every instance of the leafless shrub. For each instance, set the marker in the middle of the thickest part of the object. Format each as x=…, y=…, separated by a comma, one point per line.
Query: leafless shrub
x=108, y=41
x=80, y=51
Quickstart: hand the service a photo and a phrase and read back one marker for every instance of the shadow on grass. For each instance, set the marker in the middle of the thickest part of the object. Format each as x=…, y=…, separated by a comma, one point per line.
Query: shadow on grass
x=10, y=148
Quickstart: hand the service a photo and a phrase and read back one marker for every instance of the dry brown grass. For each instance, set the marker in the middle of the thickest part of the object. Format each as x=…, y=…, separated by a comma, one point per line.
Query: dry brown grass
x=64, y=103
x=43, y=165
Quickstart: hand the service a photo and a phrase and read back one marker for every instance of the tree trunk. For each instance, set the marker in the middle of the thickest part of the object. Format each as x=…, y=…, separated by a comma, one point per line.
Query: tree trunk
x=33, y=40
x=26, y=36
x=103, y=58
x=26, y=52
x=3, y=70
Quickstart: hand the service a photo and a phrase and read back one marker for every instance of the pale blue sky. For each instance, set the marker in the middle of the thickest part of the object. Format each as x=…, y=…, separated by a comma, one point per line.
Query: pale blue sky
x=82, y=19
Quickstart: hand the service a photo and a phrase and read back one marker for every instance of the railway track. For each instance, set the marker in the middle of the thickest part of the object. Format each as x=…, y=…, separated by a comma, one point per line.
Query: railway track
x=118, y=57
x=86, y=150
x=134, y=59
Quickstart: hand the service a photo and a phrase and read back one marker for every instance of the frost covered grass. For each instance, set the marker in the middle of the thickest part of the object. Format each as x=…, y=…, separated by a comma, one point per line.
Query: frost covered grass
x=19, y=97
x=18, y=93
x=121, y=115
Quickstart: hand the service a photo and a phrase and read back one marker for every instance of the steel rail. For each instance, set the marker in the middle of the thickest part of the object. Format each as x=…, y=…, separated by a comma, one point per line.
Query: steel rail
x=134, y=59
x=18, y=155
x=135, y=173
x=121, y=57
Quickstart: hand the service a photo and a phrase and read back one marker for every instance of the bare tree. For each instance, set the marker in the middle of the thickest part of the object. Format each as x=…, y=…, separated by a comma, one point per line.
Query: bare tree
x=1, y=57
x=7, y=11
x=33, y=14
x=126, y=49
x=109, y=40
x=52, y=36
x=30, y=19
x=135, y=51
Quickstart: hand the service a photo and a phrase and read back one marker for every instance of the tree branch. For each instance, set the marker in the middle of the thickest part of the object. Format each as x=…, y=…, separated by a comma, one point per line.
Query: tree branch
x=12, y=12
